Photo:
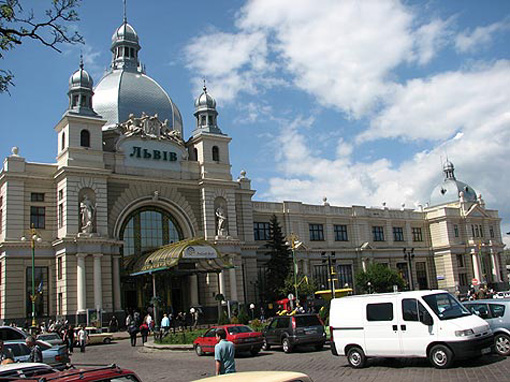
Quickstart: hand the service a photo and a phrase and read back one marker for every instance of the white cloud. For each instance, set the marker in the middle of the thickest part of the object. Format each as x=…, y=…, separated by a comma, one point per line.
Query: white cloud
x=430, y=38
x=470, y=41
x=438, y=107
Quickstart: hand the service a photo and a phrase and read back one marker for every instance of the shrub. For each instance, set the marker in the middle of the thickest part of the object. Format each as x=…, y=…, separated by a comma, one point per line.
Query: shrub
x=180, y=338
x=243, y=316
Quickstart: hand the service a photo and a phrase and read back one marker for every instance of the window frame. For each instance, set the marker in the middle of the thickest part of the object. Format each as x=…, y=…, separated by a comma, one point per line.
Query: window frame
x=316, y=231
x=398, y=234
x=377, y=233
x=341, y=233
x=417, y=233
x=377, y=309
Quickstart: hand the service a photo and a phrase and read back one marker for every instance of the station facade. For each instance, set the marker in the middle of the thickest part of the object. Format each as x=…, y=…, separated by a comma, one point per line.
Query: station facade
x=132, y=210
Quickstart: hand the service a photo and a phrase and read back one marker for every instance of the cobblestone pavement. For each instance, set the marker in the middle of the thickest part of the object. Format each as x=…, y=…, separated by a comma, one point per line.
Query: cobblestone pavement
x=164, y=365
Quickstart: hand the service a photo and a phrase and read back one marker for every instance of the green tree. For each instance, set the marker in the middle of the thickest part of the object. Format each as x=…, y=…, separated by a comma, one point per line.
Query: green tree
x=306, y=287
x=279, y=264
x=17, y=25
x=380, y=277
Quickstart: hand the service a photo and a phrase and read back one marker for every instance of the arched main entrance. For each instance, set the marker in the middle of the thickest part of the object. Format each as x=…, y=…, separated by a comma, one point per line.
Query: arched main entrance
x=144, y=230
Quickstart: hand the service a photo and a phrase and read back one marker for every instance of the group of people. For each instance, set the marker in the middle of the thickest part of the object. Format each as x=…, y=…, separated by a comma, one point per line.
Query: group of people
x=135, y=324
x=482, y=292
x=7, y=356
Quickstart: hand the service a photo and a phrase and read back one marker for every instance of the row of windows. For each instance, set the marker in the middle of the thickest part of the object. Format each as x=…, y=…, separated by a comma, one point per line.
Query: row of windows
x=476, y=230
x=84, y=139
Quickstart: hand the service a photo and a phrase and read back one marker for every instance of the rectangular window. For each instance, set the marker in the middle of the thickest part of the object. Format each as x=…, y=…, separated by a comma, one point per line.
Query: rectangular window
x=421, y=275
x=341, y=232
x=456, y=230
x=60, y=303
x=262, y=231
x=473, y=230
x=37, y=197
x=477, y=232
x=481, y=230
x=403, y=271
x=460, y=261
x=491, y=230
x=344, y=275
x=378, y=233
x=497, y=310
x=380, y=312
x=42, y=303
x=398, y=234
x=60, y=215
x=321, y=275
x=60, y=194
x=463, y=279
x=59, y=268
x=410, y=309
x=417, y=236
x=316, y=232
x=38, y=217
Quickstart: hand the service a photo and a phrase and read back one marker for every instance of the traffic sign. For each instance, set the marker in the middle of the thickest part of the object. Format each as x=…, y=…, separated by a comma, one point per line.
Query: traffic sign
x=475, y=281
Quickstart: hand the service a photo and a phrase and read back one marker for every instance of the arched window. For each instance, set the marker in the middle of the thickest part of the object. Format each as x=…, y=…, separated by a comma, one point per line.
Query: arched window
x=63, y=143
x=149, y=228
x=195, y=154
x=85, y=138
x=215, y=154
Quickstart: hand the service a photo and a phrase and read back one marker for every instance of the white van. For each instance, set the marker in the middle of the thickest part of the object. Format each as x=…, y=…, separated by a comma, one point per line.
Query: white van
x=429, y=324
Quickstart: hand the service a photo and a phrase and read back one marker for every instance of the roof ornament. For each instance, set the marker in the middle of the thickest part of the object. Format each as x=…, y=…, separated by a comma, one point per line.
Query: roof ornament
x=205, y=87
x=81, y=60
x=125, y=13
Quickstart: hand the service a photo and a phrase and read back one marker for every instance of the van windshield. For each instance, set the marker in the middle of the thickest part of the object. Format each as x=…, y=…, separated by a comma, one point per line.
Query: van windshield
x=445, y=306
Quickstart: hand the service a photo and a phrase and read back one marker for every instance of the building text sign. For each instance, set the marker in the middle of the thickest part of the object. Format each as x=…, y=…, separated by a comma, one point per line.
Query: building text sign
x=199, y=252
x=158, y=155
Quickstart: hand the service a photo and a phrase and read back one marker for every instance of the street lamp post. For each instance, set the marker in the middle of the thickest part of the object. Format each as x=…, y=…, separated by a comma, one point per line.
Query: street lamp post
x=34, y=237
x=330, y=258
x=294, y=244
x=409, y=256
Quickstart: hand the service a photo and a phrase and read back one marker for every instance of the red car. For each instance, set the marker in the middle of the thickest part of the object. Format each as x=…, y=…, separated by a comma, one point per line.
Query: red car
x=111, y=373
x=243, y=337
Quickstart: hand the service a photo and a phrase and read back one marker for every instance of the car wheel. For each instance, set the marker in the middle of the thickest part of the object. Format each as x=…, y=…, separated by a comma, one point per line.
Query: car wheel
x=356, y=357
x=502, y=343
x=254, y=352
x=265, y=345
x=441, y=357
x=199, y=351
x=319, y=347
x=286, y=345
x=107, y=340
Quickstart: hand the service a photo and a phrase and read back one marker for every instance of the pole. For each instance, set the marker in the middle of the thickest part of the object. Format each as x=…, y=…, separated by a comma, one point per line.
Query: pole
x=32, y=244
x=154, y=299
x=295, y=272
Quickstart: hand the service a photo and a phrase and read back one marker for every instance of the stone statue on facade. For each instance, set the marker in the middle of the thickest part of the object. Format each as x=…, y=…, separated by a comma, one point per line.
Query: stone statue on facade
x=149, y=127
x=87, y=214
x=221, y=218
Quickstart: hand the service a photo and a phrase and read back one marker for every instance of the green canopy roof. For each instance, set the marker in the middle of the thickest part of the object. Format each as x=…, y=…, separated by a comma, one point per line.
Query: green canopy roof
x=199, y=255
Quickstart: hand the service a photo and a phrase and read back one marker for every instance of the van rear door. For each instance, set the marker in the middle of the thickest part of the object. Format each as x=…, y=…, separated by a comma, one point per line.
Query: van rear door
x=381, y=328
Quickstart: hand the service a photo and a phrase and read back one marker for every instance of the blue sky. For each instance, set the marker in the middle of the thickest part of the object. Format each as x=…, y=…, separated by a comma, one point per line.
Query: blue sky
x=358, y=101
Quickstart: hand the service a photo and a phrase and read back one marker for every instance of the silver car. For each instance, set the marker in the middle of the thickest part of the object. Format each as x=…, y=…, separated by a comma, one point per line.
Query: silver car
x=497, y=314
x=52, y=355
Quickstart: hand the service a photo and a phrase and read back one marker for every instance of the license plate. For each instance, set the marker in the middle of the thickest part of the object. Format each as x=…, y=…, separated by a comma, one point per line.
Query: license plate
x=313, y=331
x=486, y=351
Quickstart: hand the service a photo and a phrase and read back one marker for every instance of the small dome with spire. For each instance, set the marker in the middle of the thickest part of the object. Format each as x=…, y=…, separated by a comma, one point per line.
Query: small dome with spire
x=81, y=78
x=451, y=190
x=125, y=33
x=205, y=100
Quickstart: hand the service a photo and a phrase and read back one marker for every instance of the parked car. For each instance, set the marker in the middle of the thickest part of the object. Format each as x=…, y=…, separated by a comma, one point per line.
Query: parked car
x=291, y=331
x=52, y=355
x=9, y=333
x=257, y=376
x=431, y=324
x=497, y=314
x=95, y=336
x=51, y=338
x=243, y=337
x=24, y=370
x=111, y=373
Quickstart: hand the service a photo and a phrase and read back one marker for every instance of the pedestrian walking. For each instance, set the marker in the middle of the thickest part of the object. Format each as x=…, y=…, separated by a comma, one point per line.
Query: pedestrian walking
x=224, y=354
x=165, y=325
x=35, y=350
x=144, y=332
x=133, y=330
x=69, y=337
x=82, y=338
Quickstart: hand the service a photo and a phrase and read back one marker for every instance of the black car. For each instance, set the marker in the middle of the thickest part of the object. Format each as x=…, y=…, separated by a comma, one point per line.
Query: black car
x=291, y=331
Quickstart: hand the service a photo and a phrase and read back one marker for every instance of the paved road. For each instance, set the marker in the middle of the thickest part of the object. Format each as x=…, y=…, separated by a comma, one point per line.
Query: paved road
x=159, y=365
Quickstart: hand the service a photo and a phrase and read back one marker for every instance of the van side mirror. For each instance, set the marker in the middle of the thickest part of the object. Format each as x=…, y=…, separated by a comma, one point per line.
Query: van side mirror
x=426, y=319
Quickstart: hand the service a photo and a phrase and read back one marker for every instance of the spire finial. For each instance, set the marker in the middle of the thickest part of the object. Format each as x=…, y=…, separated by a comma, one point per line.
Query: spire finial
x=125, y=12
x=81, y=60
x=205, y=87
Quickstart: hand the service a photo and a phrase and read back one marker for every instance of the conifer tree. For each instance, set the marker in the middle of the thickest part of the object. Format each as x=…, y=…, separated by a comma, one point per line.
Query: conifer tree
x=280, y=262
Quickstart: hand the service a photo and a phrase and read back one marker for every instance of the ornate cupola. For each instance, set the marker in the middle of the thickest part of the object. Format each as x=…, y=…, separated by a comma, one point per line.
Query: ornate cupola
x=125, y=48
x=206, y=114
x=80, y=92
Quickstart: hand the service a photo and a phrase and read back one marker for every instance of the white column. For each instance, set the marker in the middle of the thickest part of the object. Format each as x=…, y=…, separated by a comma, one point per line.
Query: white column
x=81, y=285
x=193, y=286
x=495, y=266
x=116, y=284
x=98, y=280
x=476, y=265
x=364, y=264
x=221, y=279
x=233, y=283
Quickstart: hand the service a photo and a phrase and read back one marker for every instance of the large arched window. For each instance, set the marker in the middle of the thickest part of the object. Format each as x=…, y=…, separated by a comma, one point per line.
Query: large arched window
x=149, y=228
x=85, y=138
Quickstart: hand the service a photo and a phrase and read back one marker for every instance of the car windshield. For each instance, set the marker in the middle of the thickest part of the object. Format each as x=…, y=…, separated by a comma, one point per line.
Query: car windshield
x=239, y=329
x=445, y=306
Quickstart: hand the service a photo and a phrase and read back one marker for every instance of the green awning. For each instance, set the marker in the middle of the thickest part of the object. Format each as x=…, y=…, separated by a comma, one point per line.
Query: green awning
x=193, y=255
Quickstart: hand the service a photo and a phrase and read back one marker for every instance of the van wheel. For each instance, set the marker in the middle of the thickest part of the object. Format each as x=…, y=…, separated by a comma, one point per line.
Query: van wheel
x=265, y=345
x=356, y=357
x=441, y=357
x=287, y=347
x=502, y=342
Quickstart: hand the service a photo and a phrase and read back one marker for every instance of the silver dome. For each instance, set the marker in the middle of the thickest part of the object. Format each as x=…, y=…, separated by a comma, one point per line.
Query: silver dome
x=122, y=92
x=204, y=100
x=449, y=190
x=81, y=79
x=125, y=33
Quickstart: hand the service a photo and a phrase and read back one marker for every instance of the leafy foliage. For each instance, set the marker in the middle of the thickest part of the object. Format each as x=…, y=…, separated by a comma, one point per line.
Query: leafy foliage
x=183, y=337
x=279, y=265
x=17, y=25
x=381, y=279
x=306, y=287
